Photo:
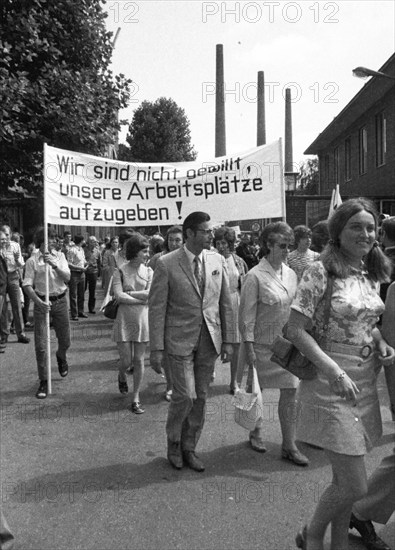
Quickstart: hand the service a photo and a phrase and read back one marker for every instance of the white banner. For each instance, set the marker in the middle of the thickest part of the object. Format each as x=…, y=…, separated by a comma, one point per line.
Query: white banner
x=87, y=190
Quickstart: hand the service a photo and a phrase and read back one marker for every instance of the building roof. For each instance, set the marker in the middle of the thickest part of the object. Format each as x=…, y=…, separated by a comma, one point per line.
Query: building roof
x=376, y=88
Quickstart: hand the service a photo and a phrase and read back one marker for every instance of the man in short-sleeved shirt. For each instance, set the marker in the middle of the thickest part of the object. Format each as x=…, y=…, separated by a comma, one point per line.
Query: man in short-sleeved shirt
x=34, y=284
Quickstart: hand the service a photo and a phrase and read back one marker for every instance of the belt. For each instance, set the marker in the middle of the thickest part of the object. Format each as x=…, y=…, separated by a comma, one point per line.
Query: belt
x=348, y=349
x=52, y=298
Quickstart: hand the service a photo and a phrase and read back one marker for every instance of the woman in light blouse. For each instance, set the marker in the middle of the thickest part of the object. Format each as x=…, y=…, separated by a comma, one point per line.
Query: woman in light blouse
x=266, y=296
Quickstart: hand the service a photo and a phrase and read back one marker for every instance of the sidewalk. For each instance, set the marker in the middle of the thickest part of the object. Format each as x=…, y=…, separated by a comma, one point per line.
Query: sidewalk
x=80, y=471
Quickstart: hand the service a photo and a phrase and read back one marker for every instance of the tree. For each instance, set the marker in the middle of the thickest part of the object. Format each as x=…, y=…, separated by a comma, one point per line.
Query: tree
x=55, y=85
x=309, y=177
x=159, y=132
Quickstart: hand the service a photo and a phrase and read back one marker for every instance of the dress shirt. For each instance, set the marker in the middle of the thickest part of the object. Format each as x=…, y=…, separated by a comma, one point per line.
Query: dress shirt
x=191, y=257
x=13, y=256
x=76, y=256
x=35, y=273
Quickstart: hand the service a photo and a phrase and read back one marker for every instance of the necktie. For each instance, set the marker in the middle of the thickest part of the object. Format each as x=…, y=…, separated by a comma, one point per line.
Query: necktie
x=198, y=272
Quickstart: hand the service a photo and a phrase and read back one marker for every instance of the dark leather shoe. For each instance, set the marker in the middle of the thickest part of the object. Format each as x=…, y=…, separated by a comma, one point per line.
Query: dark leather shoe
x=23, y=339
x=365, y=528
x=42, y=391
x=63, y=367
x=174, y=455
x=193, y=461
x=83, y=315
x=301, y=539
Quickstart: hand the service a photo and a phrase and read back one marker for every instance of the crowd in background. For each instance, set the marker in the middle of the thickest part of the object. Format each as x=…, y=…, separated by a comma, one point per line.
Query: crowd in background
x=281, y=274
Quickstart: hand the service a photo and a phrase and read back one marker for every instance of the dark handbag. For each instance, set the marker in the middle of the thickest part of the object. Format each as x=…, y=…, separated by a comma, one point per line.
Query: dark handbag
x=289, y=357
x=111, y=309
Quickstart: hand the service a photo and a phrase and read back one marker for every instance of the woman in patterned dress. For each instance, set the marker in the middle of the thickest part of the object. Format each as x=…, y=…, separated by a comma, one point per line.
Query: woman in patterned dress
x=339, y=409
x=131, y=286
x=224, y=241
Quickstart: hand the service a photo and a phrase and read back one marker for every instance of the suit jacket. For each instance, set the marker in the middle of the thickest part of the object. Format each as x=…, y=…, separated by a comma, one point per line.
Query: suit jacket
x=177, y=310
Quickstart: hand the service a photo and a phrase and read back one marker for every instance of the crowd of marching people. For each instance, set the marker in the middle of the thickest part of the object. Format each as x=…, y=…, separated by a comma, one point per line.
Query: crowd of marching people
x=199, y=293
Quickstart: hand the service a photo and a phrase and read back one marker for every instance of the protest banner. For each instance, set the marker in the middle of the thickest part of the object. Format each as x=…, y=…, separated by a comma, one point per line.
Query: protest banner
x=82, y=189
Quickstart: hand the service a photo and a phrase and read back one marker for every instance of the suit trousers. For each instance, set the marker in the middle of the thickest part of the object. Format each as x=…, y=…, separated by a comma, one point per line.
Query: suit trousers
x=77, y=291
x=60, y=319
x=191, y=376
x=90, y=284
x=379, y=502
x=14, y=292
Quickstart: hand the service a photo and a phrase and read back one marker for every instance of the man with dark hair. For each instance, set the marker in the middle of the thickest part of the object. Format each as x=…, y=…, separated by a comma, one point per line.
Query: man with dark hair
x=77, y=264
x=12, y=255
x=190, y=319
x=34, y=285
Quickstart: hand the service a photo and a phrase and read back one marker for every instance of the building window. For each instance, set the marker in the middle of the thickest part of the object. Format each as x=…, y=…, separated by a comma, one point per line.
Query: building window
x=336, y=165
x=326, y=170
x=381, y=139
x=363, y=150
x=347, y=159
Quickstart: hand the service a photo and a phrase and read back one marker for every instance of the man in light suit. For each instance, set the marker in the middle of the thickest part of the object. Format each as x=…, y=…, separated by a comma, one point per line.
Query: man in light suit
x=190, y=318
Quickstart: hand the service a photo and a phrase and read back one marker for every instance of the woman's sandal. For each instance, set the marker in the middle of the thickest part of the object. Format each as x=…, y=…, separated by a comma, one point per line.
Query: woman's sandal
x=257, y=444
x=137, y=408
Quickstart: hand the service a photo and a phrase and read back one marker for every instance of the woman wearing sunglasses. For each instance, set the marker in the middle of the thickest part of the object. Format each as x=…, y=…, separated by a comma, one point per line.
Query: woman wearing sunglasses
x=266, y=297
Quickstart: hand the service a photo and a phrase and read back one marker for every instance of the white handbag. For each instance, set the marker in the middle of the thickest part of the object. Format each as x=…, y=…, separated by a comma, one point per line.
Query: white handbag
x=248, y=406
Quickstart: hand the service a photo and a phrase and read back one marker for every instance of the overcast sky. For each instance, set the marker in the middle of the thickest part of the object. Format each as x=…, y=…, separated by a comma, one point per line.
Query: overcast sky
x=168, y=49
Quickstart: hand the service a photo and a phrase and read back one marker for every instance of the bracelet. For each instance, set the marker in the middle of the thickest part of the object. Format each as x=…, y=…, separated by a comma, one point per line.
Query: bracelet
x=340, y=377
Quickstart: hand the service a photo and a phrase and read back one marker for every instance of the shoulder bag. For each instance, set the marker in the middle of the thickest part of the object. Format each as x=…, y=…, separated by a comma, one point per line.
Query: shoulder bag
x=289, y=357
x=110, y=310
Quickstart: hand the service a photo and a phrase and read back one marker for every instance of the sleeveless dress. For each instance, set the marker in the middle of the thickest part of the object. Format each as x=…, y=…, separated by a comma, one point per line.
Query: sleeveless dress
x=131, y=323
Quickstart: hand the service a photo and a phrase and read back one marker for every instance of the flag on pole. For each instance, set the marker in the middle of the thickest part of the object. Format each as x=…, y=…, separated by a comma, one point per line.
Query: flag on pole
x=336, y=201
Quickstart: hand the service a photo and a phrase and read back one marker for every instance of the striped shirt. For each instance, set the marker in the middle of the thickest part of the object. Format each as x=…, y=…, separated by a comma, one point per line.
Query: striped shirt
x=298, y=261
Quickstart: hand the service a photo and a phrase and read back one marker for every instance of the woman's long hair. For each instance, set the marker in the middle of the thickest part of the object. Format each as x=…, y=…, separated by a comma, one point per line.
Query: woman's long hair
x=376, y=263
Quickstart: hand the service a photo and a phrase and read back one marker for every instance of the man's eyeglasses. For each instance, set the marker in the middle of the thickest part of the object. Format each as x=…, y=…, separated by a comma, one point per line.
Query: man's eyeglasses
x=206, y=231
x=283, y=246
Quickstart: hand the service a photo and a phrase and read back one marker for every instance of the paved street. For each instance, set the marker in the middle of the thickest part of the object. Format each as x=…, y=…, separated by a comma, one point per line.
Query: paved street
x=80, y=471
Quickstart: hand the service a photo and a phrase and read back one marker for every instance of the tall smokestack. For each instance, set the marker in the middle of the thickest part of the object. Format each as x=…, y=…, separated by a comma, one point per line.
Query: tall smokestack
x=261, y=122
x=220, y=137
x=288, y=154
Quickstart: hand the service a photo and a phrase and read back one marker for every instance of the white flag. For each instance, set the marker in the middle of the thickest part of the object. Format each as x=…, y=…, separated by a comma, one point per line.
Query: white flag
x=336, y=201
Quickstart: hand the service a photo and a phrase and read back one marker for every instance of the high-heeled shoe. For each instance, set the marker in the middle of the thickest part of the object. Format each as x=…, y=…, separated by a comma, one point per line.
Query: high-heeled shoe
x=122, y=385
x=137, y=408
x=295, y=456
x=301, y=538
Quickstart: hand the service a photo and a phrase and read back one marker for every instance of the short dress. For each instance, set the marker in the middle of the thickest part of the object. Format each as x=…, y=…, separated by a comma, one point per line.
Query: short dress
x=324, y=418
x=131, y=323
x=264, y=309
